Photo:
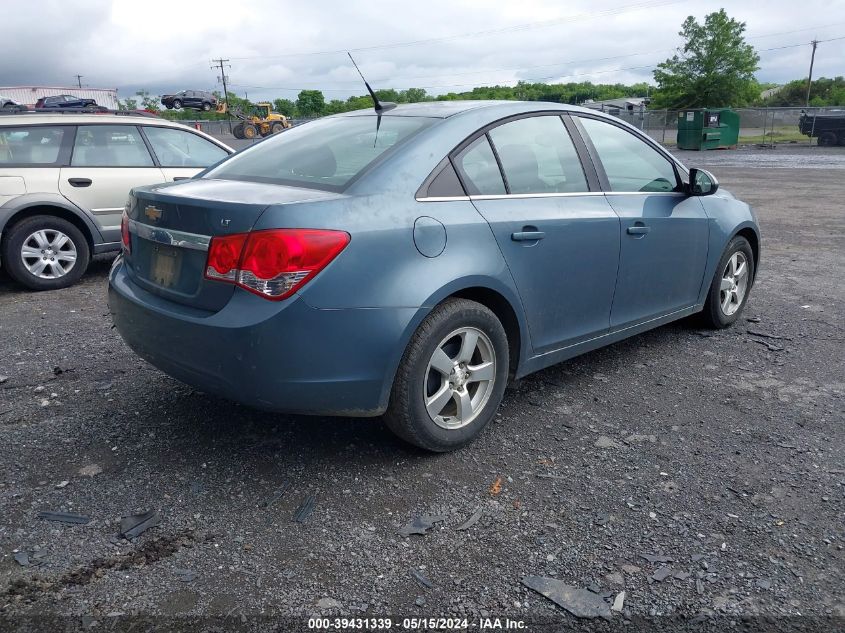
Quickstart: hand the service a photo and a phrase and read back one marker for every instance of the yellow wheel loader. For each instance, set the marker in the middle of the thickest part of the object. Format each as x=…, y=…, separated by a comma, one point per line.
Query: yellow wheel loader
x=262, y=121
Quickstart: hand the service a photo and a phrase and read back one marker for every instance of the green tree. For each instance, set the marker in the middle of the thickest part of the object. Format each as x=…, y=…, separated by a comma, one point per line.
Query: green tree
x=310, y=103
x=824, y=92
x=148, y=102
x=413, y=95
x=715, y=67
x=128, y=104
x=285, y=106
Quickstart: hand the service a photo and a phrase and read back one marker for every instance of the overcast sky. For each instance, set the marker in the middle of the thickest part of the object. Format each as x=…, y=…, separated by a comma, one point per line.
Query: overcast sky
x=278, y=48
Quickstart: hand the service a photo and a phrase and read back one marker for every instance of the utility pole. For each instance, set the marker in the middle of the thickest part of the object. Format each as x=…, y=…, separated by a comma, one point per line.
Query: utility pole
x=79, y=80
x=221, y=64
x=810, y=76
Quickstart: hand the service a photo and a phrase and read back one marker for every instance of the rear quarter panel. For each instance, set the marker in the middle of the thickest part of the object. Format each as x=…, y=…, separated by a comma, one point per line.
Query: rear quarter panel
x=381, y=268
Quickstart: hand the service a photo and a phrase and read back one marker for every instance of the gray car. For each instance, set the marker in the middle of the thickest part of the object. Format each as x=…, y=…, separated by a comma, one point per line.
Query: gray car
x=64, y=179
x=411, y=262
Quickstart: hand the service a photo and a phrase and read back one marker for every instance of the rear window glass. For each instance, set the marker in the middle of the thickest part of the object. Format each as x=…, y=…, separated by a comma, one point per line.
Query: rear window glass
x=325, y=154
x=31, y=145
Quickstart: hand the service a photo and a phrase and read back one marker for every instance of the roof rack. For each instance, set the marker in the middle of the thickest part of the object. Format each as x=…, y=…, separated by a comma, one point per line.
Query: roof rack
x=85, y=110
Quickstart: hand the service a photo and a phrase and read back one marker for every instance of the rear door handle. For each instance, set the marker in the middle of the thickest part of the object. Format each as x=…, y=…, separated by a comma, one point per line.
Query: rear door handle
x=638, y=230
x=527, y=236
x=80, y=182
x=175, y=178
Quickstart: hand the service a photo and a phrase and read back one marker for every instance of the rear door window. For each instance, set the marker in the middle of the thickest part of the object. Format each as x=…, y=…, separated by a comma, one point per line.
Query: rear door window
x=110, y=146
x=178, y=148
x=479, y=170
x=538, y=156
x=33, y=145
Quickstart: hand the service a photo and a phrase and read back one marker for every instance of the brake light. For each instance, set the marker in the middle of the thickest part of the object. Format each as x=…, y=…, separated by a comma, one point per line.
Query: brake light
x=124, y=232
x=274, y=263
x=223, y=256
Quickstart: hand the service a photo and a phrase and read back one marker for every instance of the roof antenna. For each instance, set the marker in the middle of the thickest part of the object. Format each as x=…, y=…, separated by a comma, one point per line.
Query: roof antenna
x=379, y=106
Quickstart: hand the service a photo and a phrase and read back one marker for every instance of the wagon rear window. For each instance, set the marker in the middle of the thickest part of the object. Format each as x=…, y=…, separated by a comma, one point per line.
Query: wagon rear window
x=325, y=154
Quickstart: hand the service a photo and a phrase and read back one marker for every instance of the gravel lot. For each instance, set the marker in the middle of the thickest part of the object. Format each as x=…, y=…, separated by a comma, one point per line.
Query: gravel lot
x=720, y=453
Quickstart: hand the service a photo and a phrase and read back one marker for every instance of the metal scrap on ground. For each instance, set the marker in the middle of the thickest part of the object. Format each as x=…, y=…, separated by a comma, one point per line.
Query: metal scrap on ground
x=421, y=524
x=305, y=509
x=472, y=520
x=425, y=582
x=579, y=602
x=137, y=524
x=64, y=517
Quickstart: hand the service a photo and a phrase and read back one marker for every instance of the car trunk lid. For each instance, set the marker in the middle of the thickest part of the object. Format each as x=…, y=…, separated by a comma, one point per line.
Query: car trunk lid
x=171, y=227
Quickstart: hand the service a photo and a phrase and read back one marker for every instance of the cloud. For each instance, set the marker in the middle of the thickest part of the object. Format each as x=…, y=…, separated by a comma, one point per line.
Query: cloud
x=276, y=49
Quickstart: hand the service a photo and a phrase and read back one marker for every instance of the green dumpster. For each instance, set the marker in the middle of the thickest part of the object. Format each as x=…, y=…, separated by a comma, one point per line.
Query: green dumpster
x=708, y=128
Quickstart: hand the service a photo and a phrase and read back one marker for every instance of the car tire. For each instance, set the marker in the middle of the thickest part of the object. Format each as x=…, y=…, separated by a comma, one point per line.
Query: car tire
x=250, y=131
x=177, y=104
x=52, y=230
x=827, y=139
x=470, y=337
x=731, y=284
x=206, y=106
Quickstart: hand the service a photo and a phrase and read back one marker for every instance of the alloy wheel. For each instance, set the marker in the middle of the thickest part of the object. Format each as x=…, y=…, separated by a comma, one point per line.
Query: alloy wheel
x=734, y=283
x=48, y=254
x=459, y=378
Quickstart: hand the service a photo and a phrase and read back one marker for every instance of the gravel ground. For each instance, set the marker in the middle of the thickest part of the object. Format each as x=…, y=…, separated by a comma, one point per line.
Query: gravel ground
x=701, y=472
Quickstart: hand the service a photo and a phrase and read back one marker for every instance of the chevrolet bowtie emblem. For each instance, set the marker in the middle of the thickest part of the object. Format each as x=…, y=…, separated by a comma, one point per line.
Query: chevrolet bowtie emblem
x=152, y=213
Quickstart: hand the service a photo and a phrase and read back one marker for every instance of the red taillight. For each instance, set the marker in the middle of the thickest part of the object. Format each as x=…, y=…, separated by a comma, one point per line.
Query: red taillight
x=124, y=233
x=223, y=256
x=273, y=263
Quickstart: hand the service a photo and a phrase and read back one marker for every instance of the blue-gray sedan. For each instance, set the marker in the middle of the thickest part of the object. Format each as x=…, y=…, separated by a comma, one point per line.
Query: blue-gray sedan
x=408, y=263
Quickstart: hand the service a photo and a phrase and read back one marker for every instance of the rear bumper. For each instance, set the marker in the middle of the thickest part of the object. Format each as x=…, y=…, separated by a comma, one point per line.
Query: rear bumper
x=282, y=356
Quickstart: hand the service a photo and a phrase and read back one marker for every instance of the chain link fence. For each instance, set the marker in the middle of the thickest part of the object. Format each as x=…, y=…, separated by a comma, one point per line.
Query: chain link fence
x=757, y=126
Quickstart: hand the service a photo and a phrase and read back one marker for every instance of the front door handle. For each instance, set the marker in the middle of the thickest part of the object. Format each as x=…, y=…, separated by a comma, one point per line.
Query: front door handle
x=638, y=230
x=80, y=182
x=175, y=178
x=527, y=236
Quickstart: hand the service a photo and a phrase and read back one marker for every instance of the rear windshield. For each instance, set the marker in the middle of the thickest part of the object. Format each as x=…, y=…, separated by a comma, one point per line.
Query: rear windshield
x=325, y=154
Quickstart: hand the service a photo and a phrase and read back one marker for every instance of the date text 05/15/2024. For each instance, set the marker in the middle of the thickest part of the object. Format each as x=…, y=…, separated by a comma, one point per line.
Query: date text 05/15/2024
x=414, y=624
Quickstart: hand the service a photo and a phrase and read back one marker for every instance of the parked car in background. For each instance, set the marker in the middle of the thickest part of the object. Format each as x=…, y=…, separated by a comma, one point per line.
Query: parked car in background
x=193, y=99
x=8, y=104
x=63, y=101
x=64, y=180
x=411, y=262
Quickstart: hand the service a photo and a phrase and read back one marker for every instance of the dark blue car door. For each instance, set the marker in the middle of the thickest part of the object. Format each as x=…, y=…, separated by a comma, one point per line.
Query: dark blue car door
x=558, y=235
x=664, y=231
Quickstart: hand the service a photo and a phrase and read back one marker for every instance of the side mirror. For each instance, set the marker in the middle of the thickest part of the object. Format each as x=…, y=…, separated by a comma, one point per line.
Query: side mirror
x=702, y=183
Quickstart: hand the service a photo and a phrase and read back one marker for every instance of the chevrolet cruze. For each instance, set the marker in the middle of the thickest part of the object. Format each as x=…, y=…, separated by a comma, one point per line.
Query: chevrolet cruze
x=410, y=262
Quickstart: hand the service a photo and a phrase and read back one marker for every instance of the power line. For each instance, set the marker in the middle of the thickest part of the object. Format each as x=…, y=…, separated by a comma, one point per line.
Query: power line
x=460, y=85
x=651, y=4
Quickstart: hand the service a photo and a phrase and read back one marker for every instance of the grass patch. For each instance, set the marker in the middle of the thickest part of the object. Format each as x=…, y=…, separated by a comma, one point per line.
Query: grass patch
x=778, y=135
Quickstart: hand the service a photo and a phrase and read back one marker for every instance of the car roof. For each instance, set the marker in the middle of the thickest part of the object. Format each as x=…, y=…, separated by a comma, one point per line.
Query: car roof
x=446, y=109
x=44, y=118
x=69, y=118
